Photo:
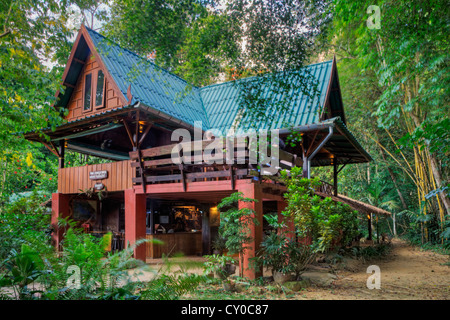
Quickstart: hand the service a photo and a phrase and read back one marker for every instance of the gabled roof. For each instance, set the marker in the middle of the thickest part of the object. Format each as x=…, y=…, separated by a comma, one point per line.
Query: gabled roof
x=150, y=84
x=216, y=106
x=143, y=85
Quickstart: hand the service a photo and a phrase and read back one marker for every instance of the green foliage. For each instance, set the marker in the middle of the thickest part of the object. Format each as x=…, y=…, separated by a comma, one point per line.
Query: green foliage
x=30, y=30
x=324, y=221
x=170, y=287
x=24, y=221
x=274, y=253
x=221, y=265
x=22, y=268
x=235, y=223
x=281, y=252
x=395, y=87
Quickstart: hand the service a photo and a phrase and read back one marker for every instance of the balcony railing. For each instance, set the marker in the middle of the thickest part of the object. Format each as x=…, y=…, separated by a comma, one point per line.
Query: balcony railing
x=196, y=161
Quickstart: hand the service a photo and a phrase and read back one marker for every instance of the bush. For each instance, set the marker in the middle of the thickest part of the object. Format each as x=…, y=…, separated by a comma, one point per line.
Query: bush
x=281, y=253
x=326, y=222
x=25, y=221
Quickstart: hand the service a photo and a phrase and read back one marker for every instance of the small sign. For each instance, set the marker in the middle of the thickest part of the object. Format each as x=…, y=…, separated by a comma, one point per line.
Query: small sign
x=99, y=186
x=98, y=175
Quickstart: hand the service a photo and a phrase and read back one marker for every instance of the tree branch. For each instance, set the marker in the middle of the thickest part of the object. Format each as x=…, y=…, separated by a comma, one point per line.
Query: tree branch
x=4, y=34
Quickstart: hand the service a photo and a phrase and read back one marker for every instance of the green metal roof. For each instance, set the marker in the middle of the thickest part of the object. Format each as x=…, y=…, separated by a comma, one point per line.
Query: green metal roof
x=216, y=106
x=222, y=105
x=150, y=84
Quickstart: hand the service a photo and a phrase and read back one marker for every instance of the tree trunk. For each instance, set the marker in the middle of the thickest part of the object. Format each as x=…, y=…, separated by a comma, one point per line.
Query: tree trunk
x=437, y=177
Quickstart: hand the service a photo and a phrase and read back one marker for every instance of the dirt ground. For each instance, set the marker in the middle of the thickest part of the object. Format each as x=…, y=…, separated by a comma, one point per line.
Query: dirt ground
x=406, y=274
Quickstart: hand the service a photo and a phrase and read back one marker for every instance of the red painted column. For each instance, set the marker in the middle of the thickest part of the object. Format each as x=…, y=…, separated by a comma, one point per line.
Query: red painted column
x=252, y=190
x=60, y=209
x=289, y=230
x=135, y=229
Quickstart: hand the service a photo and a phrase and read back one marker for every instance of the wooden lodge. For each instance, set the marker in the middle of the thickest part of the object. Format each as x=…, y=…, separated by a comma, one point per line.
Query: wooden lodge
x=124, y=108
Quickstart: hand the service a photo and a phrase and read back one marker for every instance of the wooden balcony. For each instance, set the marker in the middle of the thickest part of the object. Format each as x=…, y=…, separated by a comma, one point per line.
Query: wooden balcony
x=167, y=164
x=118, y=177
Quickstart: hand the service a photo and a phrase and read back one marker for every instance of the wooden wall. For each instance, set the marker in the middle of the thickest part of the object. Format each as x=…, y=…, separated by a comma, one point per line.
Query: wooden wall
x=120, y=175
x=188, y=243
x=111, y=98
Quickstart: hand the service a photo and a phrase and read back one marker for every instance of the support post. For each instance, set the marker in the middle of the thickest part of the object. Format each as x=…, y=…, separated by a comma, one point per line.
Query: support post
x=305, y=166
x=206, y=231
x=252, y=190
x=60, y=209
x=335, y=177
x=152, y=216
x=369, y=226
x=135, y=214
x=61, y=154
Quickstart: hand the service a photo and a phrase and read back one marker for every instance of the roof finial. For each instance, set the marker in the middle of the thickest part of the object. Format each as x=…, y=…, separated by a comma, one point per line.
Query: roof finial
x=129, y=95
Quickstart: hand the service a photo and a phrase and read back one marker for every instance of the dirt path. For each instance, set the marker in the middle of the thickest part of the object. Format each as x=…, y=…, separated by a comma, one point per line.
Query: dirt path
x=406, y=273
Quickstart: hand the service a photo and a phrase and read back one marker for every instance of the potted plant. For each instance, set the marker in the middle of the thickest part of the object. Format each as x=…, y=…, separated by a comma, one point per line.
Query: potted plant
x=218, y=245
x=274, y=251
x=274, y=255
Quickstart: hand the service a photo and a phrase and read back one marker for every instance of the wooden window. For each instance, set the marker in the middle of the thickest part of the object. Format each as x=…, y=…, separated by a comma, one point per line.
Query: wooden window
x=87, y=92
x=94, y=90
x=99, y=89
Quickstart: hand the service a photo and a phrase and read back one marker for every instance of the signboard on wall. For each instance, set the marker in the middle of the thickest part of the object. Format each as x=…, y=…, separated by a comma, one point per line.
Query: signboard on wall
x=98, y=175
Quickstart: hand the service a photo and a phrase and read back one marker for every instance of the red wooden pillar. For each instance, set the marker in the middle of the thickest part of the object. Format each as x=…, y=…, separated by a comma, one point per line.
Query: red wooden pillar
x=252, y=190
x=60, y=209
x=289, y=230
x=135, y=228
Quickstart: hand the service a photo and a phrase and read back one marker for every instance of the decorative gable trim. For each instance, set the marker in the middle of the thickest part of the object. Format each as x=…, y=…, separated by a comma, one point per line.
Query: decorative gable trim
x=83, y=38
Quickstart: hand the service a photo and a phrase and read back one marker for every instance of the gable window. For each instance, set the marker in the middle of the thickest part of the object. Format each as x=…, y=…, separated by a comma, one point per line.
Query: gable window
x=87, y=92
x=94, y=88
x=99, y=89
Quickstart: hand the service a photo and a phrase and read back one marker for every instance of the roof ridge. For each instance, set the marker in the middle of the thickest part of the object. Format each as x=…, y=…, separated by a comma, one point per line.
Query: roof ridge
x=249, y=78
x=140, y=57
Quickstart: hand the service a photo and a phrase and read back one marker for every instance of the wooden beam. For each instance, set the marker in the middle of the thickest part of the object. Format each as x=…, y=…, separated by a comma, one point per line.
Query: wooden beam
x=192, y=175
x=318, y=144
x=348, y=160
x=129, y=134
x=312, y=142
x=51, y=149
x=79, y=61
x=68, y=85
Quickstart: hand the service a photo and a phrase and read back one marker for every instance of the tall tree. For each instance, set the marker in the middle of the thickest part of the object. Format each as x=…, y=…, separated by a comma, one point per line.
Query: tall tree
x=400, y=79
